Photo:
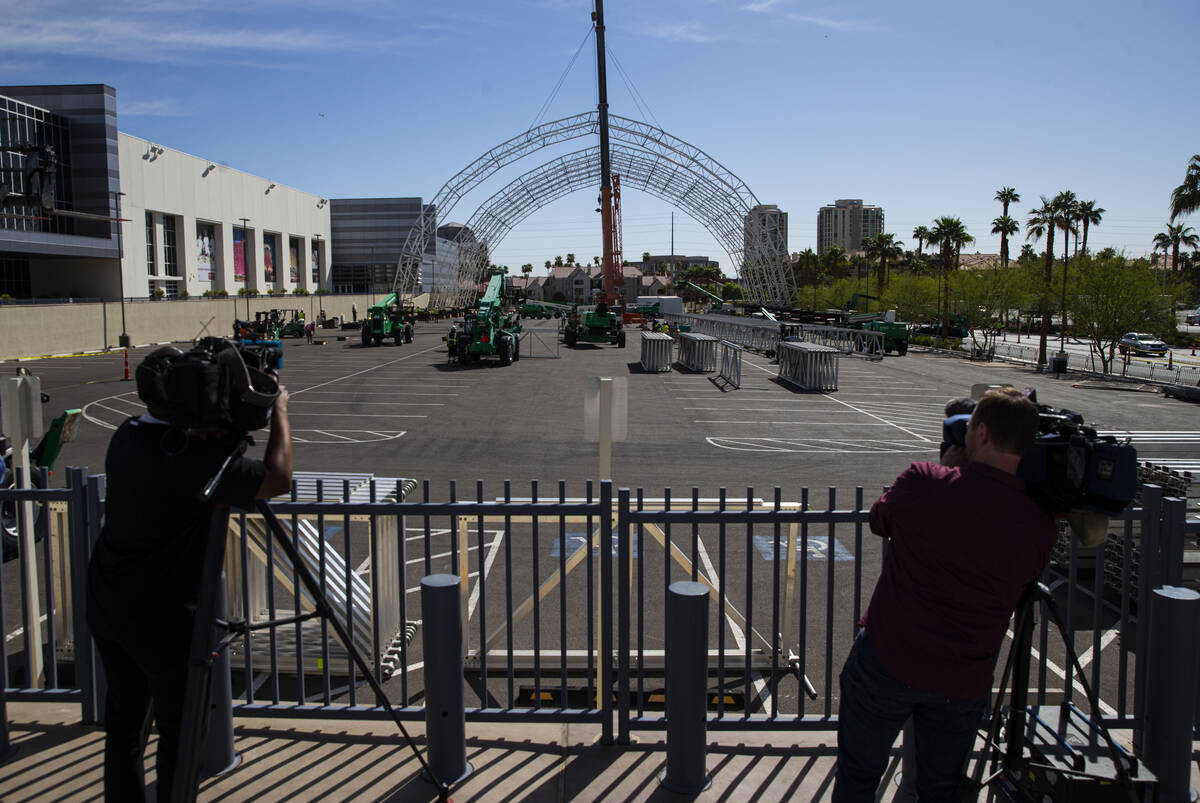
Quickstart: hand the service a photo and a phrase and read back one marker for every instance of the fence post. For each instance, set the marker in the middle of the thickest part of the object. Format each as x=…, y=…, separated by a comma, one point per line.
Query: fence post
x=605, y=659
x=79, y=545
x=624, y=623
x=1151, y=535
x=219, y=756
x=1171, y=690
x=445, y=715
x=687, y=688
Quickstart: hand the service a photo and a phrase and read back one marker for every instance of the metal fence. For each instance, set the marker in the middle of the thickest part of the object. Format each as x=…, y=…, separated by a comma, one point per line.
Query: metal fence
x=1167, y=372
x=764, y=336
x=551, y=584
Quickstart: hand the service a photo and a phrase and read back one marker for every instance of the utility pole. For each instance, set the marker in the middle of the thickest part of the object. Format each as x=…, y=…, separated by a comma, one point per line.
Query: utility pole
x=123, y=341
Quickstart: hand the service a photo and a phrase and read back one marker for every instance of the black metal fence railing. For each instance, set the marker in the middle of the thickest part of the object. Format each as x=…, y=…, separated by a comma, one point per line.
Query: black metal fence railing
x=563, y=600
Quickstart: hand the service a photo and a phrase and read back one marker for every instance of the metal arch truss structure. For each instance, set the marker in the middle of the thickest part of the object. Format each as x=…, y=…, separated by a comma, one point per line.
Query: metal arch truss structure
x=646, y=157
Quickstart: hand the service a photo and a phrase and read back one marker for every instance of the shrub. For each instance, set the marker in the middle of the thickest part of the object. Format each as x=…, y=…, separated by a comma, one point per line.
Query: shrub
x=320, y=292
x=300, y=291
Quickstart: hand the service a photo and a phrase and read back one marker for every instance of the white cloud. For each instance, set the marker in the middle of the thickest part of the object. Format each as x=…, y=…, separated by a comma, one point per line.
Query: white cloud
x=761, y=6
x=682, y=32
x=844, y=25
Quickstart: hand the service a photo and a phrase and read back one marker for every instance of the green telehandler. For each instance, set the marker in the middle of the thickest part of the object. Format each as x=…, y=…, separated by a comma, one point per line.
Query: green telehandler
x=489, y=331
x=389, y=319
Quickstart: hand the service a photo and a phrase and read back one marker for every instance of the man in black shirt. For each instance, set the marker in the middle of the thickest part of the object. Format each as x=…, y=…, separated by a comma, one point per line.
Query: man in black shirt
x=144, y=575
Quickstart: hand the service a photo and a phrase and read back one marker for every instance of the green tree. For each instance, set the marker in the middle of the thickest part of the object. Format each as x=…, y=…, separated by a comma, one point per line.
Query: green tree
x=527, y=269
x=1090, y=215
x=915, y=298
x=570, y=259
x=646, y=258
x=547, y=264
x=921, y=235
x=1043, y=221
x=1006, y=196
x=950, y=235
x=1113, y=297
x=558, y=262
x=833, y=262
x=882, y=247
x=732, y=291
x=596, y=261
x=1006, y=227
x=1175, y=235
x=1185, y=198
x=1066, y=207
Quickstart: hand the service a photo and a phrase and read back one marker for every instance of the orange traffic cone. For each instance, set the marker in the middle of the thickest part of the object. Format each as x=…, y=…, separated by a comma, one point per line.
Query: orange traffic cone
x=1170, y=360
x=126, y=379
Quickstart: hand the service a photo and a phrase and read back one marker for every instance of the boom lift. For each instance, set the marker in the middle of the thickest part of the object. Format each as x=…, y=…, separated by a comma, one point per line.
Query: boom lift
x=895, y=334
x=489, y=331
x=718, y=303
x=389, y=318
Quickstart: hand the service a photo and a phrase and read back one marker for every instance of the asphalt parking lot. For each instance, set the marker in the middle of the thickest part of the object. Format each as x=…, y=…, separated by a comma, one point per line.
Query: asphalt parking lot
x=406, y=411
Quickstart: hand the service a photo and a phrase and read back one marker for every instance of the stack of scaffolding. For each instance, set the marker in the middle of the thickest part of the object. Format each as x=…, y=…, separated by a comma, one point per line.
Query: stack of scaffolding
x=698, y=352
x=808, y=365
x=657, y=350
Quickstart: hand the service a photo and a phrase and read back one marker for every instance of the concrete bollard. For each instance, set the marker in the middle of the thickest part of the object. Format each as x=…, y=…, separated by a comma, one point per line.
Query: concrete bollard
x=1171, y=668
x=687, y=689
x=219, y=756
x=445, y=715
x=7, y=749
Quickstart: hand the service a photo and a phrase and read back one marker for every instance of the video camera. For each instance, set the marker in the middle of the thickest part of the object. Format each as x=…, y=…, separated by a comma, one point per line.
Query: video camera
x=219, y=385
x=1069, y=468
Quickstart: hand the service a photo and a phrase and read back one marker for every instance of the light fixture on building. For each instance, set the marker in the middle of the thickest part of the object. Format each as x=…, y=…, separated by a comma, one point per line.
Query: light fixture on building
x=269, y=188
x=211, y=167
x=321, y=203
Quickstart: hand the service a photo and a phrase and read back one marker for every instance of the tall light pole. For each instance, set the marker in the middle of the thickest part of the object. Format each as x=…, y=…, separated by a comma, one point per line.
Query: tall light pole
x=123, y=340
x=246, y=263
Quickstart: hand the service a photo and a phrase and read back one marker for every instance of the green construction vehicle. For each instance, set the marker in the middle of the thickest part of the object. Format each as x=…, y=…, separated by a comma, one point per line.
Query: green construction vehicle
x=489, y=332
x=390, y=318
x=533, y=310
x=291, y=322
x=895, y=334
x=718, y=303
x=599, y=323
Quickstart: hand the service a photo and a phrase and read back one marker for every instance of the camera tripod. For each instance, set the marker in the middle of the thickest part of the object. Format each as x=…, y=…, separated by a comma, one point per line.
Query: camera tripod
x=1026, y=770
x=206, y=646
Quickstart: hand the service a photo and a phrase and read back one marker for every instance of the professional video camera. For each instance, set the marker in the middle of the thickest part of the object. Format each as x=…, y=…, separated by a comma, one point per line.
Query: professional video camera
x=1070, y=469
x=218, y=385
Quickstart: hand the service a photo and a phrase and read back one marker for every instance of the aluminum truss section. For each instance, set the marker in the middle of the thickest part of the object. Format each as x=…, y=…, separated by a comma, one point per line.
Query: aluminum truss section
x=701, y=176
x=763, y=336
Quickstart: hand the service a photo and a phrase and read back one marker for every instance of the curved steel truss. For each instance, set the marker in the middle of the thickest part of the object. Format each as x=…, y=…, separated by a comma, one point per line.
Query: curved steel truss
x=646, y=158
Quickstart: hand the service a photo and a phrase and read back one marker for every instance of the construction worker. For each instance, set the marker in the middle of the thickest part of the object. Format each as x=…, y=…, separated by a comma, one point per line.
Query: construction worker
x=452, y=343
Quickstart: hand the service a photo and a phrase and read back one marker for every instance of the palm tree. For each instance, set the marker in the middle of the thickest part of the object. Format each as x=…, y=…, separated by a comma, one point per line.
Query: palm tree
x=1185, y=198
x=1089, y=215
x=1041, y=221
x=921, y=235
x=527, y=269
x=1176, y=235
x=547, y=265
x=1067, y=209
x=950, y=235
x=570, y=259
x=882, y=247
x=1005, y=227
x=1006, y=196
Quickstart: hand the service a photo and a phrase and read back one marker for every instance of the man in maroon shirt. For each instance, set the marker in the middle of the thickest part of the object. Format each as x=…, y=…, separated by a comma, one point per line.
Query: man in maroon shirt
x=964, y=544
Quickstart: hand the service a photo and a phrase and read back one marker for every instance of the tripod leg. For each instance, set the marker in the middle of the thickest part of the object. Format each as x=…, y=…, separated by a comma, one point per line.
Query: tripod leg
x=194, y=722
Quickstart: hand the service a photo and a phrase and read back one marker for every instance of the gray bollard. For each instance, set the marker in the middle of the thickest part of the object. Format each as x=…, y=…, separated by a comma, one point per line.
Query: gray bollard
x=1171, y=668
x=7, y=749
x=686, y=688
x=445, y=715
x=219, y=756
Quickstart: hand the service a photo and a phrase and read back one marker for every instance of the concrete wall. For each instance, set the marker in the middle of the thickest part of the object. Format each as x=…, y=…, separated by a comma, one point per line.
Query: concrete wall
x=45, y=329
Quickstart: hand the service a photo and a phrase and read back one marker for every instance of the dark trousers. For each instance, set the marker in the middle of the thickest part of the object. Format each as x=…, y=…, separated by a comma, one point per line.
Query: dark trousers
x=145, y=681
x=874, y=707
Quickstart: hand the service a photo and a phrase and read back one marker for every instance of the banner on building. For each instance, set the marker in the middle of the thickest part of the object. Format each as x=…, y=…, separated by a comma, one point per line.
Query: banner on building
x=206, y=236
x=294, y=260
x=270, y=249
x=239, y=255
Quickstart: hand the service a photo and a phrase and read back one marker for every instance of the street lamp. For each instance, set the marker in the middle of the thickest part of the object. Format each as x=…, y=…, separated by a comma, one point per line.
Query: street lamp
x=123, y=340
x=246, y=263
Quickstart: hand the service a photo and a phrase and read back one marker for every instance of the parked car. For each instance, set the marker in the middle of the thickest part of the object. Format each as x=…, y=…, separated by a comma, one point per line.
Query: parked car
x=1141, y=343
x=1193, y=317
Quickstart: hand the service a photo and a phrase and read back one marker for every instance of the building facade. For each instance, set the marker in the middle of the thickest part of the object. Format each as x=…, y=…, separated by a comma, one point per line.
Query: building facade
x=46, y=254
x=124, y=217
x=368, y=236
x=846, y=224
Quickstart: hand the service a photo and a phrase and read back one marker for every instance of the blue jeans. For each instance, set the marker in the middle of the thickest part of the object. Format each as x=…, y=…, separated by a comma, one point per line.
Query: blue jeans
x=874, y=707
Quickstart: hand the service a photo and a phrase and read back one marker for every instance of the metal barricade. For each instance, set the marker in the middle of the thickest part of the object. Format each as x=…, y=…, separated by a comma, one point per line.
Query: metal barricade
x=657, y=352
x=808, y=365
x=698, y=352
x=731, y=364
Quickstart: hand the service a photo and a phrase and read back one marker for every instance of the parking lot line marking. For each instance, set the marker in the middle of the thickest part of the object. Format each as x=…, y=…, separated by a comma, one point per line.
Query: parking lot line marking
x=293, y=414
x=380, y=393
x=794, y=423
x=364, y=371
x=386, y=404
x=333, y=435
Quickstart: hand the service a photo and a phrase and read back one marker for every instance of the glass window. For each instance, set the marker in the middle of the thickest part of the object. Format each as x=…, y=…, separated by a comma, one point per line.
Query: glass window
x=151, y=253
x=170, y=256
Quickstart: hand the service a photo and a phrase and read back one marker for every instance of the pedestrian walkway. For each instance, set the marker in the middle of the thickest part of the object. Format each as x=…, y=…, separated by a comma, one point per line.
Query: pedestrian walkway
x=60, y=759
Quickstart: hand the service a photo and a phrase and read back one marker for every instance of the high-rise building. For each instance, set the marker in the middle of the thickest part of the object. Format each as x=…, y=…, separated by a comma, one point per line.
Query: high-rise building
x=765, y=228
x=846, y=224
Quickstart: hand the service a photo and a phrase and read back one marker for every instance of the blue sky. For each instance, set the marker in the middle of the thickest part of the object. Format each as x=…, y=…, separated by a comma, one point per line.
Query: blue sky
x=925, y=108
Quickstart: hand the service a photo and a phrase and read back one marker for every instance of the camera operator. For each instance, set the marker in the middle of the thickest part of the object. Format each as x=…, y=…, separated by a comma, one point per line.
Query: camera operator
x=144, y=575
x=965, y=541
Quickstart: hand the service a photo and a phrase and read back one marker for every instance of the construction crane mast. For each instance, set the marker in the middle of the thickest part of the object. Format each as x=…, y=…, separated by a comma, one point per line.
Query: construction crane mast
x=609, y=222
